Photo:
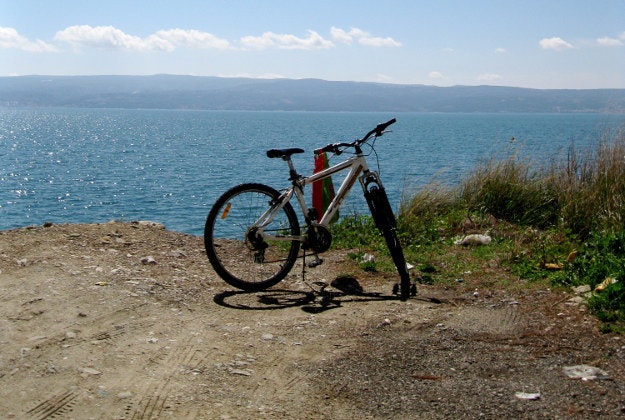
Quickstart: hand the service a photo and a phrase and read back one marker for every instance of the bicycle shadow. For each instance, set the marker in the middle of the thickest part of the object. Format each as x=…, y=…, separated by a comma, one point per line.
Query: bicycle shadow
x=310, y=301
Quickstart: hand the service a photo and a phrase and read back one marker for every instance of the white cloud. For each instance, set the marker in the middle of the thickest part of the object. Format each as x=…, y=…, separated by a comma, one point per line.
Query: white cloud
x=362, y=37
x=341, y=36
x=435, y=75
x=192, y=38
x=488, y=77
x=609, y=42
x=109, y=37
x=501, y=50
x=112, y=38
x=379, y=42
x=314, y=41
x=555, y=43
x=10, y=38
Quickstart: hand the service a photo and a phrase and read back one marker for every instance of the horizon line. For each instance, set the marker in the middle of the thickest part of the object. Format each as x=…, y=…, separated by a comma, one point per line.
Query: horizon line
x=268, y=78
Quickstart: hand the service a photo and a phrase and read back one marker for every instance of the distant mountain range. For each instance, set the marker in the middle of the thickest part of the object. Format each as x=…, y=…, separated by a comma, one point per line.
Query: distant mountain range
x=215, y=93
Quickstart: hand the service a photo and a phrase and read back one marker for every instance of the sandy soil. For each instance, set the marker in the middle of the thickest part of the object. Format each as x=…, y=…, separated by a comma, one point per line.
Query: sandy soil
x=128, y=321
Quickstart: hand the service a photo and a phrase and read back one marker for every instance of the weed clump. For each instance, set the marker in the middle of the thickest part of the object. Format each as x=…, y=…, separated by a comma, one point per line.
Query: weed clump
x=511, y=190
x=540, y=214
x=537, y=216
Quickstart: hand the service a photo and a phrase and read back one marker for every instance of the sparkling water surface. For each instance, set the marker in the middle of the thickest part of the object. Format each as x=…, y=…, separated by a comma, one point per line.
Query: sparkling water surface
x=97, y=165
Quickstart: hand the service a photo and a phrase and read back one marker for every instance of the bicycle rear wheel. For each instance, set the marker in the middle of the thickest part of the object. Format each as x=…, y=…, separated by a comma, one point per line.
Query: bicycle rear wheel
x=242, y=258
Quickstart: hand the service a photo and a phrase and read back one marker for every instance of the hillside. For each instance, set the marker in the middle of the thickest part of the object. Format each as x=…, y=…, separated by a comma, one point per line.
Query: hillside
x=214, y=93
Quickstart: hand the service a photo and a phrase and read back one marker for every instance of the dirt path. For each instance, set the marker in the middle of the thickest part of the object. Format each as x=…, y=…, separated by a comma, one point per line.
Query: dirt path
x=128, y=321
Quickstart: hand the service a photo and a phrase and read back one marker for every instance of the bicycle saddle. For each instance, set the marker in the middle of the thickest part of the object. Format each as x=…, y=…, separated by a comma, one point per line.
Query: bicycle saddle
x=283, y=153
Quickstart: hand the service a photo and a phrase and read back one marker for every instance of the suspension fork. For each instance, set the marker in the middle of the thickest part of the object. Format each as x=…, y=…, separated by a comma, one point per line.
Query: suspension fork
x=376, y=197
x=384, y=219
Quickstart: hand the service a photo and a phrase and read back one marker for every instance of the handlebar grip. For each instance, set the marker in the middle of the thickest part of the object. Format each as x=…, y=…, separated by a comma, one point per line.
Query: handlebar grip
x=381, y=127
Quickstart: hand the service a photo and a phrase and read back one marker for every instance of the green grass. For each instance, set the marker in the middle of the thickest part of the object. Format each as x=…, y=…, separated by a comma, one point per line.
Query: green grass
x=511, y=190
x=536, y=215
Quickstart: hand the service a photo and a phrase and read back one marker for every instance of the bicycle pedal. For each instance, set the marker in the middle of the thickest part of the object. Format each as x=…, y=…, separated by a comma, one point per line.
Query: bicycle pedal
x=315, y=263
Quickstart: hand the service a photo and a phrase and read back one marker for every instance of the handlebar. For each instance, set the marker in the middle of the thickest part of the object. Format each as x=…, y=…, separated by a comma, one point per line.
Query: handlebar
x=379, y=129
x=337, y=148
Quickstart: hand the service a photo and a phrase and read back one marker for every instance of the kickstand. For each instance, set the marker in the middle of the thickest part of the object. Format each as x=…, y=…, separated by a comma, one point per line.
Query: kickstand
x=326, y=297
x=304, y=266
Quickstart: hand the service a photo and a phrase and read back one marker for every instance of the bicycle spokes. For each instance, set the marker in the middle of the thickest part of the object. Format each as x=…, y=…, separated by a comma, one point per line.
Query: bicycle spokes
x=243, y=239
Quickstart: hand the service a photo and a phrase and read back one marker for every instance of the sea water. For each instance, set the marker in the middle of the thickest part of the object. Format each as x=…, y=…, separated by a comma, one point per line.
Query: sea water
x=95, y=165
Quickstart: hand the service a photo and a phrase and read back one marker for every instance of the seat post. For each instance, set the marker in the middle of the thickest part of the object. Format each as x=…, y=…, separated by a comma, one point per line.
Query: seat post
x=293, y=175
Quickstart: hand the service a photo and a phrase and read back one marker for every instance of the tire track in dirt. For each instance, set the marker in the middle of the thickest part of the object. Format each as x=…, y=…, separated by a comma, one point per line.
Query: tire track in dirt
x=53, y=407
x=505, y=319
x=157, y=395
x=108, y=328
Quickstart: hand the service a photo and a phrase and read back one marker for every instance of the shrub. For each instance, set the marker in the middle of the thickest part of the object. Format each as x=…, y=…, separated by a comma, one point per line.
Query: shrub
x=583, y=193
x=511, y=190
x=591, y=187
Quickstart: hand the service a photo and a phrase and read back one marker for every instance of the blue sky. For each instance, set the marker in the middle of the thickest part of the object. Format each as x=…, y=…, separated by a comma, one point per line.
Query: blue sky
x=576, y=44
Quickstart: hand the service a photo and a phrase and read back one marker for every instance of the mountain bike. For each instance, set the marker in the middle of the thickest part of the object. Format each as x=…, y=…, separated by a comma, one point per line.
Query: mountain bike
x=253, y=236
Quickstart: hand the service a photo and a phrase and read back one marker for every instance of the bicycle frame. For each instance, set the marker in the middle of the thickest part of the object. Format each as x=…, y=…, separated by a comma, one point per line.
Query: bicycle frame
x=356, y=164
x=266, y=262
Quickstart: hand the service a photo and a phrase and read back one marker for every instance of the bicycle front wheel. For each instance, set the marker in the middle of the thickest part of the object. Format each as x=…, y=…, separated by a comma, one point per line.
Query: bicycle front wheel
x=239, y=255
